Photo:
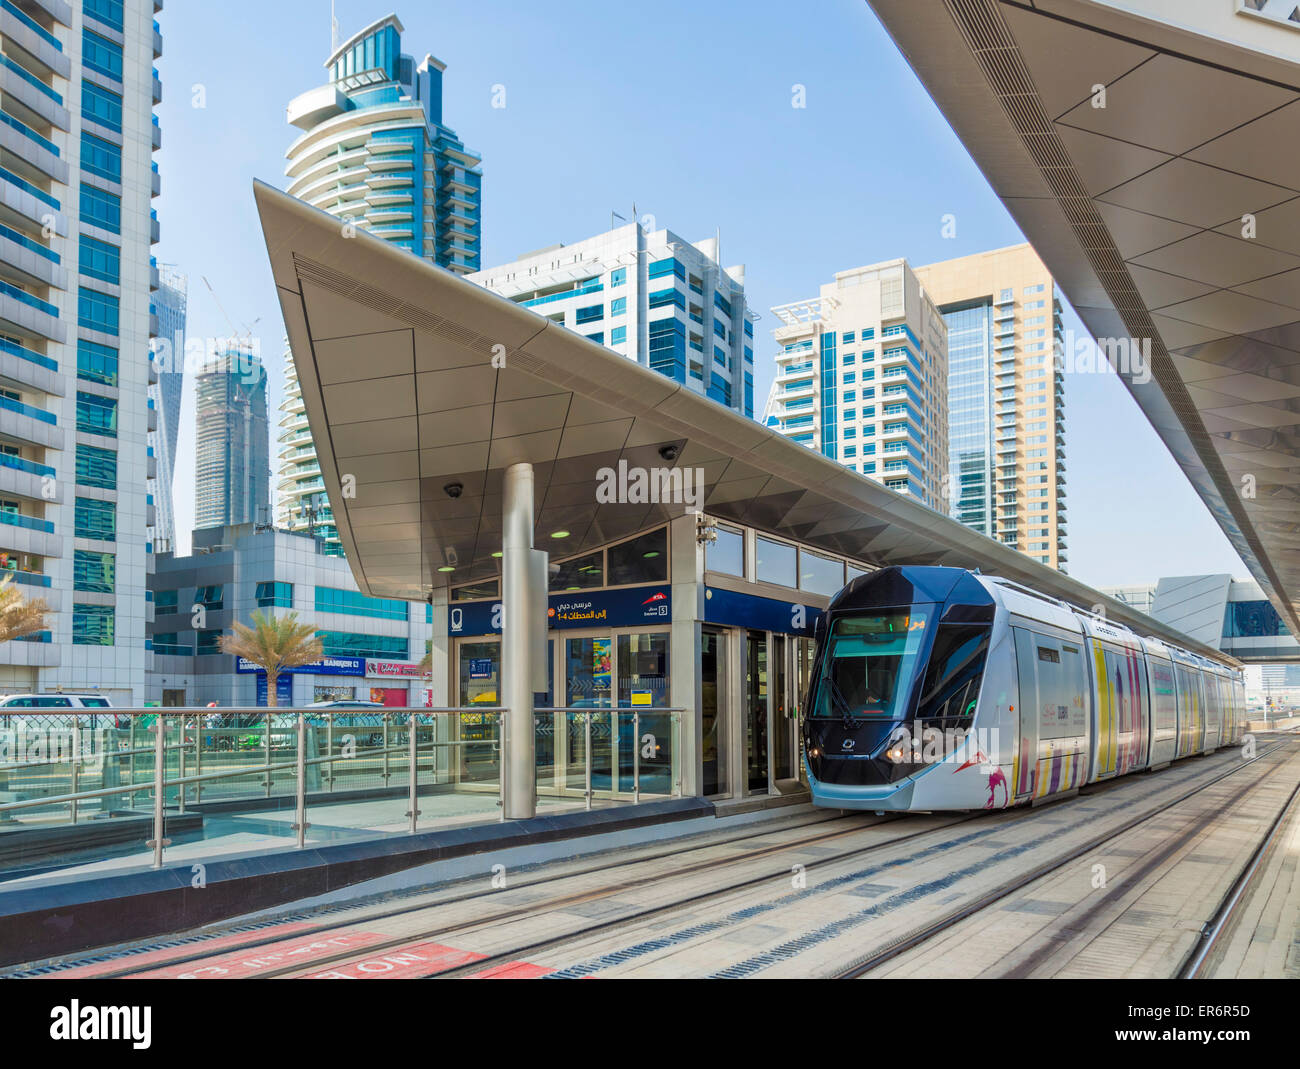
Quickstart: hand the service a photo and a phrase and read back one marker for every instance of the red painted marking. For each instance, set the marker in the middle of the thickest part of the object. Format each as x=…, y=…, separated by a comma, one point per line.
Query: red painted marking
x=263, y=959
x=156, y=957
x=513, y=970
x=400, y=962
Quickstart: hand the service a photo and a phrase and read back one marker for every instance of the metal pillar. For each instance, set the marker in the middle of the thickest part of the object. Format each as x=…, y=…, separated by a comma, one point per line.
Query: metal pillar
x=524, y=612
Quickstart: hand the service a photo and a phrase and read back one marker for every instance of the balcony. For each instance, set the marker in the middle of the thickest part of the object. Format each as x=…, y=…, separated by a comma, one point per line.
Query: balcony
x=157, y=40
x=29, y=146
x=29, y=424
x=28, y=90
x=28, y=479
x=22, y=365
x=155, y=182
x=27, y=534
x=157, y=87
x=157, y=134
x=29, y=35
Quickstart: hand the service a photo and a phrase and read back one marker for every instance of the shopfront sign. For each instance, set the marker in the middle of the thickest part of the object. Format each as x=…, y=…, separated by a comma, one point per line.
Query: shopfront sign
x=625, y=607
x=392, y=668
x=328, y=666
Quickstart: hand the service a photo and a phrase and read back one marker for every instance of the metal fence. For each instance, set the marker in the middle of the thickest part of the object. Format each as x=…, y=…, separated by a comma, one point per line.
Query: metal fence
x=80, y=765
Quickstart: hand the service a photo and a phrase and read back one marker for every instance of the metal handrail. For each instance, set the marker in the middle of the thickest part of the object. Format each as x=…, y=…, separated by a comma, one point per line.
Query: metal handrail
x=188, y=723
x=587, y=711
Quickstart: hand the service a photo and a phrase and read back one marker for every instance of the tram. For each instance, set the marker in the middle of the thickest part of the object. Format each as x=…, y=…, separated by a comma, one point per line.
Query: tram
x=942, y=689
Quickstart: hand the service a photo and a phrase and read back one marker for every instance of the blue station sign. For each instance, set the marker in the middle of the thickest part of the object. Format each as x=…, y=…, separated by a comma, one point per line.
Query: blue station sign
x=627, y=607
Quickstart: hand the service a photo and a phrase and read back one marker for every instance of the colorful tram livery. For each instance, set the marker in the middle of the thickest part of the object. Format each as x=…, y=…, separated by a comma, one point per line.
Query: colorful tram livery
x=938, y=688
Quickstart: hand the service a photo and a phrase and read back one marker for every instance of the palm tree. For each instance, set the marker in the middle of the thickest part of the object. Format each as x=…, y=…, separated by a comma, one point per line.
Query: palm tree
x=19, y=615
x=273, y=643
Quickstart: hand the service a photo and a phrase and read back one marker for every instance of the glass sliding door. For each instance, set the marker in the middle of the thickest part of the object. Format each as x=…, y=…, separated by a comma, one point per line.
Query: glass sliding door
x=589, y=684
x=479, y=666
x=643, y=688
x=783, y=724
x=755, y=711
x=713, y=713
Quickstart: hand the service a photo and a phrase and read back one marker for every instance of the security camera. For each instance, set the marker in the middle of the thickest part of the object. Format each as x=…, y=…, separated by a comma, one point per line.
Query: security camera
x=669, y=452
x=454, y=489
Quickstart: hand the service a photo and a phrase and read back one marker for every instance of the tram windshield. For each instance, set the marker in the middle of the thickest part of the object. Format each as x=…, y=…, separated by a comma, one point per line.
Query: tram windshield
x=869, y=665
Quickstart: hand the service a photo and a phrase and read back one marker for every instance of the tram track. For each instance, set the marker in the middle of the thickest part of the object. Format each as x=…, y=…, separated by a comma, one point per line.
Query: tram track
x=484, y=963
x=412, y=900
x=611, y=891
x=347, y=918
x=923, y=933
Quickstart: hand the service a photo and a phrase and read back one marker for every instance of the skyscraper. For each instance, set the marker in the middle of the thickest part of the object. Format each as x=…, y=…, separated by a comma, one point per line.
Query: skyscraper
x=650, y=295
x=1006, y=398
x=232, y=475
x=862, y=378
x=77, y=94
x=170, y=305
x=375, y=152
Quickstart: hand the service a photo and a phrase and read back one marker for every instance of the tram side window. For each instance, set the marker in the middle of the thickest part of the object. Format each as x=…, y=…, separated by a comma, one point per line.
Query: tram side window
x=952, y=680
x=1189, y=705
x=1126, y=690
x=1162, y=686
x=1212, y=706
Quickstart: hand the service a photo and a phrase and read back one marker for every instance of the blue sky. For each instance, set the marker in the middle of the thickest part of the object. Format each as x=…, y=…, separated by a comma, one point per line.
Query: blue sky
x=684, y=109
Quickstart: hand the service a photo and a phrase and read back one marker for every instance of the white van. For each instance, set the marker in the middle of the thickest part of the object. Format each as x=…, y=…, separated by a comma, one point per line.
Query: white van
x=55, y=701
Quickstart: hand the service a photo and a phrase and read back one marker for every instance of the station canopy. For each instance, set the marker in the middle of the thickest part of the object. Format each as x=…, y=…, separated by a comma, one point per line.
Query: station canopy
x=416, y=380
x=1156, y=171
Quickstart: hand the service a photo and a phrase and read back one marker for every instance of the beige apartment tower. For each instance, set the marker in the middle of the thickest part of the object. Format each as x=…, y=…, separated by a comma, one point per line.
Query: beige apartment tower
x=862, y=378
x=1006, y=398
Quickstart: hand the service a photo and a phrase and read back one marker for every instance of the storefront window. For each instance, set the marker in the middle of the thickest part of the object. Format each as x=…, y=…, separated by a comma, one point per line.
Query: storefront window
x=727, y=554
x=774, y=562
x=640, y=560
x=820, y=575
x=581, y=573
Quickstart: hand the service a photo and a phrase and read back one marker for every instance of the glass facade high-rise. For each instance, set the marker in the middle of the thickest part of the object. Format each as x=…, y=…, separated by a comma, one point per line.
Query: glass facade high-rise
x=169, y=349
x=970, y=415
x=232, y=474
x=78, y=88
x=1006, y=398
x=375, y=152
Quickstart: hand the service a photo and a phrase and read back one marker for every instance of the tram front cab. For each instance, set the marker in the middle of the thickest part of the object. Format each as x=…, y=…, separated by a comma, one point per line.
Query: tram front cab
x=899, y=651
